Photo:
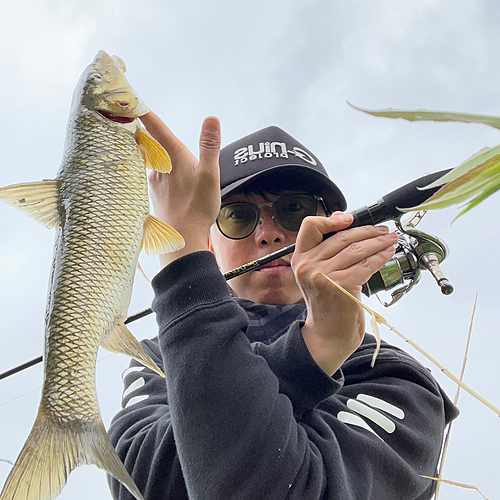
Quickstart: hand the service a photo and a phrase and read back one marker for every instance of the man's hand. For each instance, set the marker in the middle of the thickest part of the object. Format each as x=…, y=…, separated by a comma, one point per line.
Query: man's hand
x=188, y=198
x=335, y=324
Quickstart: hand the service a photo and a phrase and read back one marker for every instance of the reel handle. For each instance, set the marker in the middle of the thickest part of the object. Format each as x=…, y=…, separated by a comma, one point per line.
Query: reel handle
x=431, y=262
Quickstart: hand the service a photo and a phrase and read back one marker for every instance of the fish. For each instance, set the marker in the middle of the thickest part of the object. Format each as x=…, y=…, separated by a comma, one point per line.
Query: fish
x=99, y=206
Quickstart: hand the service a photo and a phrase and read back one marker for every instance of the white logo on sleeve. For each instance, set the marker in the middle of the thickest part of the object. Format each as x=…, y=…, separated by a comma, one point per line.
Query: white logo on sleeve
x=365, y=405
x=134, y=386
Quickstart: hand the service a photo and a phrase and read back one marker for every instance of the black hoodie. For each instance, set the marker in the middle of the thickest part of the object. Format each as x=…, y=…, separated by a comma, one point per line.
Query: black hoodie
x=238, y=418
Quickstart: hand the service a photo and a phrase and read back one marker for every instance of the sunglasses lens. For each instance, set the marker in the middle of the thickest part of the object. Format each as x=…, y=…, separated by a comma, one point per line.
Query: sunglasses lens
x=290, y=211
x=237, y=220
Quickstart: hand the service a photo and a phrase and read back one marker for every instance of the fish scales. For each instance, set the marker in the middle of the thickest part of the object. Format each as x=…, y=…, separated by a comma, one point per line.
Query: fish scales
x=102, y=176
x=99, y=206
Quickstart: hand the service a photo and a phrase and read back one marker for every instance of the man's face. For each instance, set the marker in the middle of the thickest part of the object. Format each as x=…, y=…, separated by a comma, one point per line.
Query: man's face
x=273, y=283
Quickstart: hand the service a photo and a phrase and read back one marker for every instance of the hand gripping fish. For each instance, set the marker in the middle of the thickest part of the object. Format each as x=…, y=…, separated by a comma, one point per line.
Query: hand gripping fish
x=99, y=206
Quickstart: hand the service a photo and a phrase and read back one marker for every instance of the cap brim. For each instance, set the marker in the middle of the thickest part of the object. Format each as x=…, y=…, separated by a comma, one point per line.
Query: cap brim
x=292, y=175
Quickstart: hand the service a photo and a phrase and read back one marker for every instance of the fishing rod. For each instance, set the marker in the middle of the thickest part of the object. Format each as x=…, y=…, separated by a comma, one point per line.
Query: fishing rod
x=415, y=250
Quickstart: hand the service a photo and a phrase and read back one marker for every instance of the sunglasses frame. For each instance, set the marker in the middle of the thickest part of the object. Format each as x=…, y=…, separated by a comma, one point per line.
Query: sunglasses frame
x=270, y=204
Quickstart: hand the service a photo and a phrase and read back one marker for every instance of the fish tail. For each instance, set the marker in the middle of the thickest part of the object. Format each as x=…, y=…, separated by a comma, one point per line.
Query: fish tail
x=51, y=453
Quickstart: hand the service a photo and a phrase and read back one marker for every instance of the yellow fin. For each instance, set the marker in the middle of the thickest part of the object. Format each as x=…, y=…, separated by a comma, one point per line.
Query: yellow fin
x=160, y=237
x=38, y=200
x=121, y=341
x=155, y=156
x=52, y=452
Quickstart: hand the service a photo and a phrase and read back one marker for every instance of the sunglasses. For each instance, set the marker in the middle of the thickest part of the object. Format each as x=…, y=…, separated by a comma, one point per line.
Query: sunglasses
x=238, y=220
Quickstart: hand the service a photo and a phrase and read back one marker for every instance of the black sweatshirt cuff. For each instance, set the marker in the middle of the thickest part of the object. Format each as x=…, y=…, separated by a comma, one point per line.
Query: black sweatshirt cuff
x=186, y=283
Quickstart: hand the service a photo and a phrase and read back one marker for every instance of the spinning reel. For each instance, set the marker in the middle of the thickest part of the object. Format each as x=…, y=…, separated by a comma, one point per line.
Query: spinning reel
x=415, y=252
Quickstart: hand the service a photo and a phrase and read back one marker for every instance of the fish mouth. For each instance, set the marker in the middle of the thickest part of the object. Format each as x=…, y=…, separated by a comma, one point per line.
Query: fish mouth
x=116, y=118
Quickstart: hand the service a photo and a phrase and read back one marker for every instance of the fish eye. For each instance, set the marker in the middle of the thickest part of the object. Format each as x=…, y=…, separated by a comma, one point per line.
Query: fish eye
x=94, y=78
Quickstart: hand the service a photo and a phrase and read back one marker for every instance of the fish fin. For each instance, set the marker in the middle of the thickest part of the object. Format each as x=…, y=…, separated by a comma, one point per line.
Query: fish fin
x=160, y=237
x=121, y=341
x=38, y=200
x=52, y=452
x=155, y=156
x=142, y=271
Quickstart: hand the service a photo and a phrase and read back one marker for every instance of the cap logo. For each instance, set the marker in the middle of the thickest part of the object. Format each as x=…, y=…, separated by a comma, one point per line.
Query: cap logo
x=271, y=150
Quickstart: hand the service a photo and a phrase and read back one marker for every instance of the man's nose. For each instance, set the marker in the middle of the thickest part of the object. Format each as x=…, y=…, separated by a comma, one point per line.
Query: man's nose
x=268, y=230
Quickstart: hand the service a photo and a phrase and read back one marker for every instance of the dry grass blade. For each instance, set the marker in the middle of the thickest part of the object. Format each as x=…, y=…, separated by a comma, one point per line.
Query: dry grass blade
x=382, y=321
x=448, y=434
x=454, y=483
x=139, y=267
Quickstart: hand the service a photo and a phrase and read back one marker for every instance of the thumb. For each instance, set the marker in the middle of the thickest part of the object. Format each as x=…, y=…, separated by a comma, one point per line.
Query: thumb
x=210, y=140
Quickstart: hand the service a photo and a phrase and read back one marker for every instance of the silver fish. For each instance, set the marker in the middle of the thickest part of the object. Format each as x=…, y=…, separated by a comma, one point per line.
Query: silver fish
x=99, y=206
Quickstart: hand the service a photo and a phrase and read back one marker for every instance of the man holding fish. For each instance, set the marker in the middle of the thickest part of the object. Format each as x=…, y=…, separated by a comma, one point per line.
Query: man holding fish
x=269, y=393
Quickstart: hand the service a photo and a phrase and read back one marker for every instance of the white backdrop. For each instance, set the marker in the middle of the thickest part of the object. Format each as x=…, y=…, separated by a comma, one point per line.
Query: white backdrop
x=291, y=63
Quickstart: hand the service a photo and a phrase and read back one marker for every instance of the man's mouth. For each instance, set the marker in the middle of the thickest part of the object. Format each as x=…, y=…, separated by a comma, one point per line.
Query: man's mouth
x=275, y=264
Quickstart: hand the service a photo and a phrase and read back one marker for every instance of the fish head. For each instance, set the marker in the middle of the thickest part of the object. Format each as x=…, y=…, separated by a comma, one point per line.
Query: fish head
x=104, y=88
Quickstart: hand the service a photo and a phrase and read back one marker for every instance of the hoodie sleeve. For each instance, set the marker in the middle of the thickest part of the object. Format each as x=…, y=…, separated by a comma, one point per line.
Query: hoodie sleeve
x=238, y=426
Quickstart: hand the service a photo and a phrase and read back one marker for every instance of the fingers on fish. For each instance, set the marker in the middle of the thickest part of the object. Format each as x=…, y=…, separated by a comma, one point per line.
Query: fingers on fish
x=37, y=200
x=52, y=452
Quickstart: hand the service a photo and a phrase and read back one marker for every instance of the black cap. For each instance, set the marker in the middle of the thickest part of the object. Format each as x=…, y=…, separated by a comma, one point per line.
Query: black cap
x=273, y=156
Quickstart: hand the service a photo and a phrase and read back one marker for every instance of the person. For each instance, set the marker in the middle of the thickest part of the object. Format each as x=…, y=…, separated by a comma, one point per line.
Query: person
x=268, y=391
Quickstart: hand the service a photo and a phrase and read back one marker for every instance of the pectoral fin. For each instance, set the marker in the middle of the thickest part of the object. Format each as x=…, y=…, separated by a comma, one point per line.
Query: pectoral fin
x=38, y=200
x=121, y=341
x=160, y=237
x=155, y=156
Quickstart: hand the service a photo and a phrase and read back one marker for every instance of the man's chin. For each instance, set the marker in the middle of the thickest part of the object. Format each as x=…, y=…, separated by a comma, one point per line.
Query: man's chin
x=274, y=288
x=283, y=295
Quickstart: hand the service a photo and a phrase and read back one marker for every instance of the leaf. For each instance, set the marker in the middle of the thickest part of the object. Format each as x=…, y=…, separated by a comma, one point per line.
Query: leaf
x=435, y=116
x=478, y=172
x=479, y=158
x=485, y=194
x=464, y=187
x=478, y=175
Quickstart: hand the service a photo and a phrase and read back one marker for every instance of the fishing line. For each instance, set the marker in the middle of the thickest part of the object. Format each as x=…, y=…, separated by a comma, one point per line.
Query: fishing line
x=21, y=396
x=35, y=361
x=38, y=388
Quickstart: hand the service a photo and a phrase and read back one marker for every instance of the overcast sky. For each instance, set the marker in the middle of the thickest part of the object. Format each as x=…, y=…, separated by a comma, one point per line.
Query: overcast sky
x=291, y=63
